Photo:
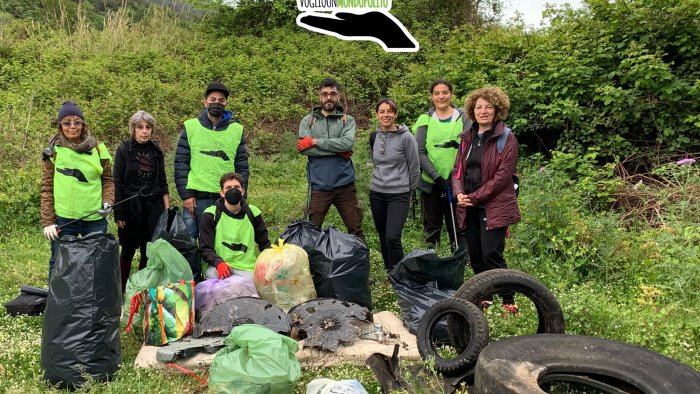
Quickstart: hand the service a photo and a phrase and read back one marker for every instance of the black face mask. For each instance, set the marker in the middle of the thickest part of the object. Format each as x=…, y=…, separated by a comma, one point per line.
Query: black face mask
x=215, y=109
x=233, y=196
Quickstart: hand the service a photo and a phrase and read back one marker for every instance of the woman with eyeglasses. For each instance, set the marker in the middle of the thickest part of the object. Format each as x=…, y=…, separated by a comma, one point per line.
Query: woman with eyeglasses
x=139, y=170
x=77, y=191
x=436, y=135
x=395, y=176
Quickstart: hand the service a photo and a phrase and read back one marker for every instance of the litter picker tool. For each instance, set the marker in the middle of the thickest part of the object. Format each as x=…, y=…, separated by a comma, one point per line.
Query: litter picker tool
x=450, y=199
x=138, y=194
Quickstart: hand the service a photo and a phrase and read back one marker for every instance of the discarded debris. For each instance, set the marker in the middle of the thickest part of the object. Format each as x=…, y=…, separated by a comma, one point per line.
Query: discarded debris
x=222, y=318
x=188, y=347
x=326, y=323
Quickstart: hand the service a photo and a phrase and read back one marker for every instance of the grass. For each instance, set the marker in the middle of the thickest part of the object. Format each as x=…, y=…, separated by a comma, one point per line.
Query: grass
x=632, y=302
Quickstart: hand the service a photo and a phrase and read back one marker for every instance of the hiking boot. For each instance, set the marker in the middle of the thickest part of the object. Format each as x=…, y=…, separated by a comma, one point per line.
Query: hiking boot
x=485, y=304
x=511, y=310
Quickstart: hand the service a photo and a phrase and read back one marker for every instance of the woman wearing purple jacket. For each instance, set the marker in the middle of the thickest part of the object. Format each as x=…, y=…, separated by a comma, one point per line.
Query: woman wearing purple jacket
x=482, y=183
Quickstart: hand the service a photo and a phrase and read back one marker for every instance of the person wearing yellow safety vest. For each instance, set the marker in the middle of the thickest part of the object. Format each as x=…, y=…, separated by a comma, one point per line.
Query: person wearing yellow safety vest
x=210, y=145
x=228, y=230
x=76, y=181
x=436, y=136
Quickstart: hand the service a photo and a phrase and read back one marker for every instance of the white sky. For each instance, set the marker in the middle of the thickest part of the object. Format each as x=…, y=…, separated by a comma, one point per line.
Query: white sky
x=532, y=9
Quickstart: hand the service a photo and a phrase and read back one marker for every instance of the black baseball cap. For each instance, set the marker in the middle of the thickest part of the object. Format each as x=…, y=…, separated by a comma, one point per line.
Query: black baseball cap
x=216, y=87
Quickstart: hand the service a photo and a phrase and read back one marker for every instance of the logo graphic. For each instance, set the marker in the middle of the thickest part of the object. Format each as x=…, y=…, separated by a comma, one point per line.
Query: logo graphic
x=368, y=20
x=73, y=172
x=216, y=153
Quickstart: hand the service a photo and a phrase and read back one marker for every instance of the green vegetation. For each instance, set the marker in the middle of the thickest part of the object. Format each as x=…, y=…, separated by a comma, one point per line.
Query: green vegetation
x=612, y=229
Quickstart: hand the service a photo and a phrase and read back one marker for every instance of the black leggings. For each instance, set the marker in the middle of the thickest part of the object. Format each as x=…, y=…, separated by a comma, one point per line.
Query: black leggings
x=389, y=212
x=486, y=246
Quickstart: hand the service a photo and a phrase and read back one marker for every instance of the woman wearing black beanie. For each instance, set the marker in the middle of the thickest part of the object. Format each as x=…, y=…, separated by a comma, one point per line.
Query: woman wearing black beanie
x=76, y=180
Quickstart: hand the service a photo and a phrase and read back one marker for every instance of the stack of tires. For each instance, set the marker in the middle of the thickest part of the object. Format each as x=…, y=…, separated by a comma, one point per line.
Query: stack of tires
x=531, y=363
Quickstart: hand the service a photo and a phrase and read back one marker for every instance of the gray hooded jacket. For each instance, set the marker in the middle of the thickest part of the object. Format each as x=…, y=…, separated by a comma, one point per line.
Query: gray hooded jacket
x=396, y=164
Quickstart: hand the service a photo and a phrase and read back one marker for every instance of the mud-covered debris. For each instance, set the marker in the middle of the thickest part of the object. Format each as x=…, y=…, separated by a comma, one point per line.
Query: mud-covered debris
x=221, y=319
x=188, y=347
x=326, y=323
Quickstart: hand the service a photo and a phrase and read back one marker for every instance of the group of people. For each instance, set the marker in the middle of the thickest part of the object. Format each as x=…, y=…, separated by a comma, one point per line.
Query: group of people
x=461, y=160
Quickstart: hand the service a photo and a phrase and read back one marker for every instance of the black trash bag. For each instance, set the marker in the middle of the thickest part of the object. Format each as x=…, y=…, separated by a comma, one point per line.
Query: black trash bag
x=80, y=334
x=303, y=234
x=423, y=266
x=340, y=267
x=31, y=301
x=421, y=279
x=415, y=299
x=171, y=227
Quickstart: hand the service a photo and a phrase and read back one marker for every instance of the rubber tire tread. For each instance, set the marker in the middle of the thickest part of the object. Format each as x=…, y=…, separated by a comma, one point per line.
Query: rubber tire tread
x=549, y=314
x=476, y=326
x=516, y=364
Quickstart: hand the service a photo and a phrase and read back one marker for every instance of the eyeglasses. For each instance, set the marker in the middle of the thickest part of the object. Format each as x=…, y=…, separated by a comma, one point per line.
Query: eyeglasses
x=77, y=123
x=331, y=94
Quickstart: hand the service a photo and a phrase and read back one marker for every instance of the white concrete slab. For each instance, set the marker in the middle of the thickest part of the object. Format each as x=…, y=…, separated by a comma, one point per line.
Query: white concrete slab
x=357, y=353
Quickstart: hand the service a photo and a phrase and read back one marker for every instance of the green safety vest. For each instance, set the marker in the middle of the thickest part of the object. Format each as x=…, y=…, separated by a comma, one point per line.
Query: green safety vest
x=234, y=241
x=438, y=133
x=212, y=154
x=77, y=182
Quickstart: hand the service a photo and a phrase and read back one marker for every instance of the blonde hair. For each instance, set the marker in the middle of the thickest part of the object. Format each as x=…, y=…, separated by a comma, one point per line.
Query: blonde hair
x=494, y=95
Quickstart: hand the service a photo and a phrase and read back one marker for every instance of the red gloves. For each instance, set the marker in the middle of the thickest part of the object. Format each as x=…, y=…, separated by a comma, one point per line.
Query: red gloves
x=224, y=270
x=305, y=143
x=345, y=155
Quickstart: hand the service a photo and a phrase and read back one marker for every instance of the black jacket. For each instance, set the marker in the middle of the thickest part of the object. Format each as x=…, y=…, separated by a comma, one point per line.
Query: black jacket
x=123, y=187
x=183, y=154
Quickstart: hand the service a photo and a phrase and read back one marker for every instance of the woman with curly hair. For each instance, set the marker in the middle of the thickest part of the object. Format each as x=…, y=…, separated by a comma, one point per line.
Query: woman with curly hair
x=482, y=183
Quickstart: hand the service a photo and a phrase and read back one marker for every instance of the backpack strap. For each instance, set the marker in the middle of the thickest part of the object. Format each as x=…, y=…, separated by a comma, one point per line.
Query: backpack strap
x=372, y=138
x=501, y=141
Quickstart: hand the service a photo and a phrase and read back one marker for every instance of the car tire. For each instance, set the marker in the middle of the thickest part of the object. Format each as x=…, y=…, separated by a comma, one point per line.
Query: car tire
x=479, y=287
x=522, y=364
x=475, y=335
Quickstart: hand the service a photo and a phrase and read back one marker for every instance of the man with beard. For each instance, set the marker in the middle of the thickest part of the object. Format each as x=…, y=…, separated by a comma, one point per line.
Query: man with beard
x=228, y=231
x=326, y=137
x=212, y=144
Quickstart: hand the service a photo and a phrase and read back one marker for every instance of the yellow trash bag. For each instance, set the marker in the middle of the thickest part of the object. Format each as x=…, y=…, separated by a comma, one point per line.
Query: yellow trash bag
x=282, y=275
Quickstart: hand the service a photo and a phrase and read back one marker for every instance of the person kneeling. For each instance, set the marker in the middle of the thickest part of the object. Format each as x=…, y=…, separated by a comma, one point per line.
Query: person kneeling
x=228, y=229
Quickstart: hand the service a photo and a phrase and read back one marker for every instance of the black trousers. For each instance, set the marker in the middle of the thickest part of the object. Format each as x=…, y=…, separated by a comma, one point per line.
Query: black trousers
x=389, y=212
x=436, y=207
x=486, y=246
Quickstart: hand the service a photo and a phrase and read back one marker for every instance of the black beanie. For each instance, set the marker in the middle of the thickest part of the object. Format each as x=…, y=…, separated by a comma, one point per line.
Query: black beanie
x=69, y=108
x=216, y=87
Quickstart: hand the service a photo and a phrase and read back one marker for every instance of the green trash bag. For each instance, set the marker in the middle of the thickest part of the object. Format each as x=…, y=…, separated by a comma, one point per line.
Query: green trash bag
x=256, y=360
x=165, y=266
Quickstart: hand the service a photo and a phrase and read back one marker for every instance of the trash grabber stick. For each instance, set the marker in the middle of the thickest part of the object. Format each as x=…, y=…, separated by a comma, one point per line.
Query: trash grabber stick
x=139, y=193
x=450, y=199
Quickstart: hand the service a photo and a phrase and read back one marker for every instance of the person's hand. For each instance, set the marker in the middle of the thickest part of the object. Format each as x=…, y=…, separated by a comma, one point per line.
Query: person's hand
x=463, y=200
x=51, y=232
x=392, y=35
x=190, y=205
x=106, y=209
x=224, y=270
x=120, y=223
x=305, y=143
x=345, y=155
x=440, y=183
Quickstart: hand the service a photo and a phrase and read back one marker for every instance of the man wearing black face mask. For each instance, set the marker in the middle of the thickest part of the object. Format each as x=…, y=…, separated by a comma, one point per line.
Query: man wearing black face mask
x=210, y=145
x=228, y=230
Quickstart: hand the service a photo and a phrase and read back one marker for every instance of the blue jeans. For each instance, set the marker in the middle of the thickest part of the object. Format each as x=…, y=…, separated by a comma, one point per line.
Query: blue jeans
x=81, y=227
x=192, y=223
